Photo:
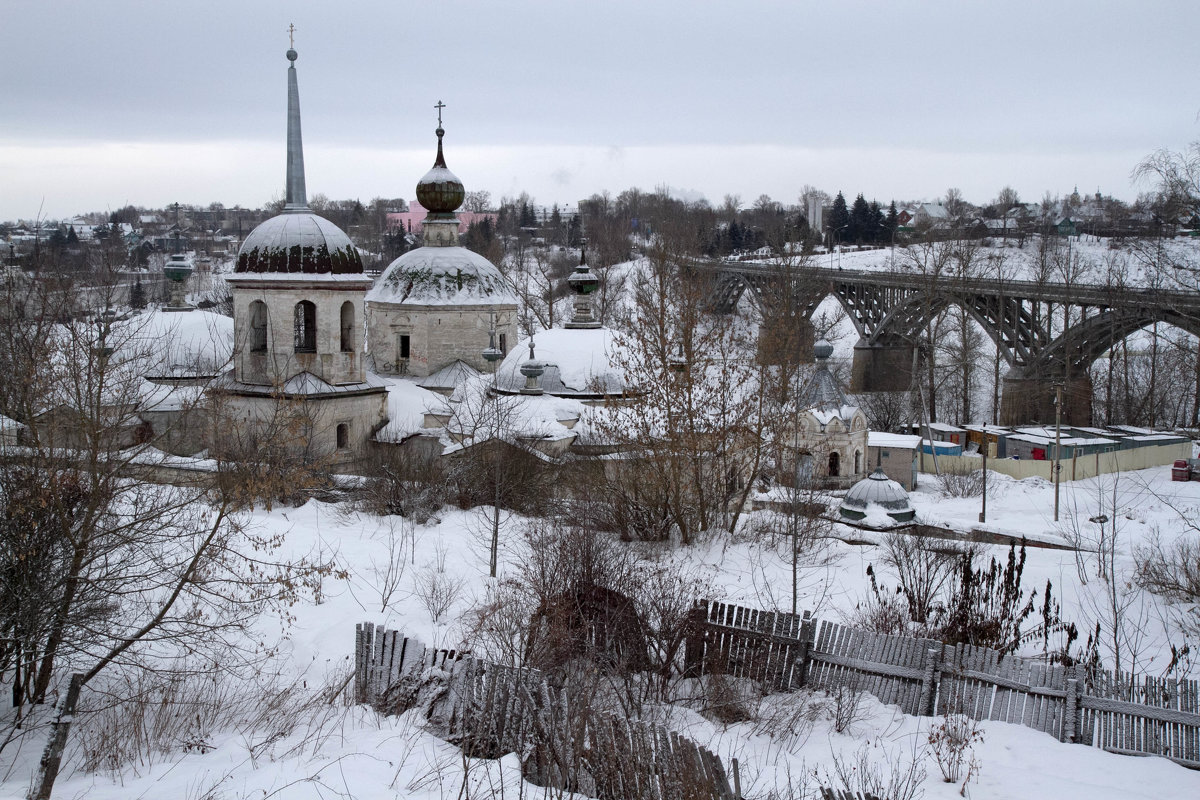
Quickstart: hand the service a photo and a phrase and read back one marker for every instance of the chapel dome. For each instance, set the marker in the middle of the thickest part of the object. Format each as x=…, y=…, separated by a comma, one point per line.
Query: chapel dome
x=452, y=276
x=577, y=363
x=298, y=242
x=440, y=192
x=877, y=489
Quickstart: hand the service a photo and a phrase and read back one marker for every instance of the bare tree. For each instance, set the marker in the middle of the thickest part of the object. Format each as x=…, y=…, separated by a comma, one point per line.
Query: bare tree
x=105, y=571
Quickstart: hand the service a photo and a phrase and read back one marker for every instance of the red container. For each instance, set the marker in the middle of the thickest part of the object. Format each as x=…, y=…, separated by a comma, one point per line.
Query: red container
x=1181, y=471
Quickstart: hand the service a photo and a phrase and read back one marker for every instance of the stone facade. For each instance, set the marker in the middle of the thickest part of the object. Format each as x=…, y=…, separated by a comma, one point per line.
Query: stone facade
x=337, y=345
x=438, y=335
x=332, y=428
x=830, y=450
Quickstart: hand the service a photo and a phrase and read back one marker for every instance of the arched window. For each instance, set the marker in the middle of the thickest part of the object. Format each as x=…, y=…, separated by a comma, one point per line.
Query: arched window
x=258, y=327
x=857, y=461
x=347, y=327
x=343, y=435
x=306, y=327
x=835, y=463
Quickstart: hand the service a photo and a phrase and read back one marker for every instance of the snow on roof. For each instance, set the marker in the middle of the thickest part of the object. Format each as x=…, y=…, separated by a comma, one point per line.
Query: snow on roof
x=942, y=426
x=169, y=397
x=475, y=414
x=407, y=404
x=579, y=362
x=1065, y=441
x=175, y=344
x=901, y=441
x=996, y=429
x=449, y=376
x=827, y=415
x=1157, y=437
x=435, y=276
x=8, y=424
x=1133, y=429
x=303, y=384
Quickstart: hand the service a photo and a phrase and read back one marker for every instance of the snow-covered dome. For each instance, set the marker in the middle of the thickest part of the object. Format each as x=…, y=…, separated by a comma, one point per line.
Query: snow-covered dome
x=878, y=490
x=578, y=363
x=298, y=242
x=442, y=276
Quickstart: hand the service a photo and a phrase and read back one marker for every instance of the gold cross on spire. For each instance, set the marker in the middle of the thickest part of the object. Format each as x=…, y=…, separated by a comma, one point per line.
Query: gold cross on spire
x=440, y=105
x=292, y=36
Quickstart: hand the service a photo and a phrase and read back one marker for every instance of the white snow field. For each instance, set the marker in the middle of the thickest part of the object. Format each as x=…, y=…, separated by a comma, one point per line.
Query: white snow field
x=305, y=745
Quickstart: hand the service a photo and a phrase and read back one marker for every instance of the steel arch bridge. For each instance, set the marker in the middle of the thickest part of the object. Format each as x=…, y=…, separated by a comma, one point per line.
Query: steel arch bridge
x=892, y=309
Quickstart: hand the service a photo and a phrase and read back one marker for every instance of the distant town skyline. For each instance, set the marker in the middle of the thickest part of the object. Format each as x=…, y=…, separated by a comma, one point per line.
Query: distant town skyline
x=125, y=102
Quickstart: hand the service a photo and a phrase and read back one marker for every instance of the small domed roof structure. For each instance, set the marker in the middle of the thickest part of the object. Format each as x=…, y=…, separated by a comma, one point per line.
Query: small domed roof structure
x=442, y=276
x=297, y=241
x=440, y=192
x=822, y=390
x=441, y=272
x=877, y=489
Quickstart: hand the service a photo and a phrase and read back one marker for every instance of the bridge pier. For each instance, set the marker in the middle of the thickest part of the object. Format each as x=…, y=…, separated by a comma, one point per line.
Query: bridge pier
x=881, y=368
x=1031, y=400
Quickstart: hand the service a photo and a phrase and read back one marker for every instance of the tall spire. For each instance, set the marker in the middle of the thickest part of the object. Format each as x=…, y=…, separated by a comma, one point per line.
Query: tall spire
x=296, y=198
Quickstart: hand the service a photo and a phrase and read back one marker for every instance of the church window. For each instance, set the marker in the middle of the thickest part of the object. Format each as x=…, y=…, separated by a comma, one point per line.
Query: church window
x=347, y=327
x=405, y=345
x=343, y=435
x=504, y=343
x=258, y=327
x=857, y=461
x=835, y=464
x=306, y=327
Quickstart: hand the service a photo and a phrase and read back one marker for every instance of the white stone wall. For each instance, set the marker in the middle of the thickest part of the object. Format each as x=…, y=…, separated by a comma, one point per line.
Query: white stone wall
x=308, y=426
x=438, y=335
x=281, y=362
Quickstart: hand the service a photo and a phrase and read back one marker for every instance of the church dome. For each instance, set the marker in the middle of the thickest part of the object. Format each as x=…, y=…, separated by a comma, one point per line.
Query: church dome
x=877, y=489
x=298, y=242
x=440, y=192
x=577, y=363
x=448, y=276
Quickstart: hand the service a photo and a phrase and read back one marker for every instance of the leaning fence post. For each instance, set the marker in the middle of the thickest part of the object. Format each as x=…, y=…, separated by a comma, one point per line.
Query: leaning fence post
x=808, y=627
x=929, y=683
x=693, y=642
x=1071, y=712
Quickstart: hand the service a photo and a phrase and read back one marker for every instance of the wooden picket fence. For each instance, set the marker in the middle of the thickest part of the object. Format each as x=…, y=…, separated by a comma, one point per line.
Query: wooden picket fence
x=490, y=709
x=1122, y=714
x=386, y=661
x=765, y=646
x=894, y=669
x=495, y=710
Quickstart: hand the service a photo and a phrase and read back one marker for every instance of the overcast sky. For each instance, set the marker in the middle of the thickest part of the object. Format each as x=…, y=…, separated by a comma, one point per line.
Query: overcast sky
x=116, y=102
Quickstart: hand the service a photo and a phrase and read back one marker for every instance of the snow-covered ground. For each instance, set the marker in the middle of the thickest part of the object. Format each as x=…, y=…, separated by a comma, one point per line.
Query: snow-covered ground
x=332, y=749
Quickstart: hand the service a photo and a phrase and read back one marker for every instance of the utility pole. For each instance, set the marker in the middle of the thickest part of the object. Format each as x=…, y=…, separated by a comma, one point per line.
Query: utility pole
x=1057, y=444
x=983, y=509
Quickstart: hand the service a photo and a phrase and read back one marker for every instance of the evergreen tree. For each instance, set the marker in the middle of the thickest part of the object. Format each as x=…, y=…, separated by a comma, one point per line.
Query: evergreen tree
x=557, y=232
x=860, y=221
x=72, y=237
x=876, y=223
x=891, y=222
x=137, y=295
x=575, y=232
x=528, y=216
x=839, y=219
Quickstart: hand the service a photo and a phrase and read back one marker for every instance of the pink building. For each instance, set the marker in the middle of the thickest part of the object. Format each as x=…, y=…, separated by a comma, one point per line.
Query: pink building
x=411, y=221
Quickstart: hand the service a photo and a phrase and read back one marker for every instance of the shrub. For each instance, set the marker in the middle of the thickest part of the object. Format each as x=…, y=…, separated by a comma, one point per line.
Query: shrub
x=952, y=743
